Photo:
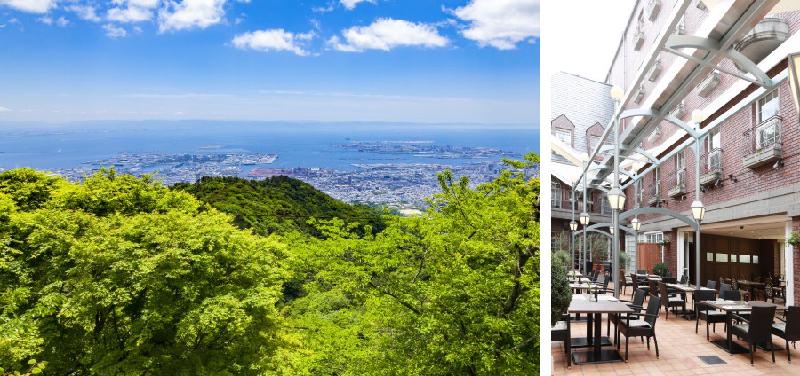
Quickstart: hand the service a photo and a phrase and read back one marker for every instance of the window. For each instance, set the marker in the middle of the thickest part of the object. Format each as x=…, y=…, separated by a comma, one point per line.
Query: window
x=656, y=182
x=710, y=256
x=639, y=193
x=654, y=237
x=555, y=189
x=744, y=259
x=564, y=135
x=722, y=257
x=680, y=169
x=767, y=106
x=713, y=145
x=593, y=141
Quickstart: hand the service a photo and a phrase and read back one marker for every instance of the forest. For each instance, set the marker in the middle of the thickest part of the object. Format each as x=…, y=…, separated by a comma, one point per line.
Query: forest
x=122, y=275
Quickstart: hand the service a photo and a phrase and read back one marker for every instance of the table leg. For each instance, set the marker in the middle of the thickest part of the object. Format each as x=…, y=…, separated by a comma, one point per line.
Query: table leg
x=729, y=323
x=589, y=336
x=598, y=326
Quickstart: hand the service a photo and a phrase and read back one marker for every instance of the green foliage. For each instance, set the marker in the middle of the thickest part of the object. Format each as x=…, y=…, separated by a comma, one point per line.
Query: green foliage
x=660, y=269
x=455, y=291
x=623, y=259
x=121, y=275
x=794, y=239
x=561, y=257
x=278, y=204
x=560, y=292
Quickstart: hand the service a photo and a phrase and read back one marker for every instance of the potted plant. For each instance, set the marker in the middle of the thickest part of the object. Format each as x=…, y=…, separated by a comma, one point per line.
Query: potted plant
x=665, y=243
x=623, y=260
x=561, y=292
x=660, y=269
x=794, y=239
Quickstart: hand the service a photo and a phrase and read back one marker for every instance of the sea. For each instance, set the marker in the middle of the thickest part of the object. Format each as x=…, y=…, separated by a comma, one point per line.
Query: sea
x=51, y=146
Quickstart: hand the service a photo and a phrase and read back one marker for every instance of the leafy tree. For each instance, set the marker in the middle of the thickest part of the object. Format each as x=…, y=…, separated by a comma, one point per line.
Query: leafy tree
x=119, y=275
x=452, y=292
x=277, y=204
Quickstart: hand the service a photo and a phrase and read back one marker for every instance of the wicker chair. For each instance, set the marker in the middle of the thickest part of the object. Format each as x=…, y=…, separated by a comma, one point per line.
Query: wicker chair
x=789, y=330
x=710, y=316
x=561, y=332
x=758, y=329
x=641, y=327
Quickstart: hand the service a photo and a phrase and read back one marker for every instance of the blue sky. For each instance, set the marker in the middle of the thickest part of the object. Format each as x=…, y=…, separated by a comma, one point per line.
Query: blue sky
x=322, y=60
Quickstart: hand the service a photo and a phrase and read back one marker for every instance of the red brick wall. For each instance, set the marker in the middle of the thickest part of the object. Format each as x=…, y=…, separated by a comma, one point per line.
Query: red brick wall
x=796, y=261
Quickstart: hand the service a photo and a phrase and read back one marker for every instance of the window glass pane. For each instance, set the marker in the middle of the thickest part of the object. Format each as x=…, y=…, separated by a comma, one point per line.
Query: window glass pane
x=722, y=257
x=744, y=259
x=768, y=106
x=710, y=256
x=733, y=258
x=564, y=135
x=755, y=259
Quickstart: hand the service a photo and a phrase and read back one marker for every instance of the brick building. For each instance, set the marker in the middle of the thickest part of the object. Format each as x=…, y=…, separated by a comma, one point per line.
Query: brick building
x=749, y=135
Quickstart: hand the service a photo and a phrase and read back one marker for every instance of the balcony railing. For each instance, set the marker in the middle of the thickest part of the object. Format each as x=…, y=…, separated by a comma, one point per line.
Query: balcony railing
x=768, y=144
x=680, y=184
x=714, y=171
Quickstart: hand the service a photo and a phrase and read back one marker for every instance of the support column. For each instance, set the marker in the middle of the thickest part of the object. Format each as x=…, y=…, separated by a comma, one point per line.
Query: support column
x=615, y=211
x=697, y=248
x=790, y=278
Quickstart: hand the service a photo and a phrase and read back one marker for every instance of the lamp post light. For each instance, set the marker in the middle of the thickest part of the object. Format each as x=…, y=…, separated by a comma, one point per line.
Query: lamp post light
x=573, y=226
x=698, y=211
x=616, y=198
x=584, y=218
x=636, y=225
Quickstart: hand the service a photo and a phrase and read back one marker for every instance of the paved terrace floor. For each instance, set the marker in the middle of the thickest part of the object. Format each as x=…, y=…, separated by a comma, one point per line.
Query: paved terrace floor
x=680, y=350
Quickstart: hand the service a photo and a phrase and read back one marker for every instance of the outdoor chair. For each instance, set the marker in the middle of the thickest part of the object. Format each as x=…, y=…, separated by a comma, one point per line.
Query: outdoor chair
x=637, y=286
x=684, y=279
x=641, y=271
x=724, y=287
x=711, y=316
x=711, y=284
x=642, y=327
x=637, y=304
x=624, y=281
x=758, y=329
x=668, y=301
x=789, y=330
x=561, y=332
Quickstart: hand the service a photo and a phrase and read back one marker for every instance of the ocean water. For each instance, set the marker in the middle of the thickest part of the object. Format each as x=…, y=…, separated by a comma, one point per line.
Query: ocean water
x=65, y=146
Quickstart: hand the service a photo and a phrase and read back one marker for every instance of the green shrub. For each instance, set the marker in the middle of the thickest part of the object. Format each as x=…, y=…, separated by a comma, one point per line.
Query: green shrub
x=561, y=294
x=660, y=269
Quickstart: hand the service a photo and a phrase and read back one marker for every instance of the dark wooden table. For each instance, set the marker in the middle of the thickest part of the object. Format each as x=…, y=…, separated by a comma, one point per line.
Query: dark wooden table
x=731, y=307
x=595, y=310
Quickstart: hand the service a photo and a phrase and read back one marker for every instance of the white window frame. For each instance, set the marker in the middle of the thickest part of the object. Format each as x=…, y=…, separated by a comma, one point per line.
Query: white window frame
x=680, y=169
x=761, y=102
x=772, y=126
x=560, y=132
x=556, y=194
x=714, y=148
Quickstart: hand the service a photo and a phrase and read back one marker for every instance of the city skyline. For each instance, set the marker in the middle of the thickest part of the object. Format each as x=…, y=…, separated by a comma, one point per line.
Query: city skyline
x=448, y=61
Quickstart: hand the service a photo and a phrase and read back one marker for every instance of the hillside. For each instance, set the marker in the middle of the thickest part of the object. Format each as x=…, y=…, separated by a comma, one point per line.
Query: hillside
x=278, y=204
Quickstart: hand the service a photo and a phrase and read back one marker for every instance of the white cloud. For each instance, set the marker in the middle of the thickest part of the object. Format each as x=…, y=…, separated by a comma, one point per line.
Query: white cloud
x=84, y=12
x=132, y=10
x=113, y=31
x=386, y=34
x=351, y=4
x=273, y=40
x=501, y=24
x=4, y=109
x=190, y=14
x=32, y=6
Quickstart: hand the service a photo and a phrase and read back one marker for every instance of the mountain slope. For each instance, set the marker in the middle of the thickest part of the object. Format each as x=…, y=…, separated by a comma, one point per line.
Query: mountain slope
x=277, y=204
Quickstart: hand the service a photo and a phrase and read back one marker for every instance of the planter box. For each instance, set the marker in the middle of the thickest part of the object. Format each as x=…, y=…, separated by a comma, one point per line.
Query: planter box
x=710, y=177
x=676, y=191
x=708, y=85
x=762, y=157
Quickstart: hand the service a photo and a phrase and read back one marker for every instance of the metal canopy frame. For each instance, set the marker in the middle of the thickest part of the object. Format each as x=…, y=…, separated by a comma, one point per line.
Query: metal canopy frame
x=707, y=55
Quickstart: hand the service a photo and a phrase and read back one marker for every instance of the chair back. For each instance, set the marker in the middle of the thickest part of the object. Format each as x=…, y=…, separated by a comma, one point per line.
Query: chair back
x=662, y=292
x=600, y=279
x=734, y=295
x=793, y=323
x=711, y=284
x=638, y=298
x=669, y=279
x=634, y=282
x=760, y=327
x=724, y=287
x=640, y=271
x=653, y=306
x=606, y=280
x=700, y=296
x=622, y=280
x=654, y=288
x=684, y=279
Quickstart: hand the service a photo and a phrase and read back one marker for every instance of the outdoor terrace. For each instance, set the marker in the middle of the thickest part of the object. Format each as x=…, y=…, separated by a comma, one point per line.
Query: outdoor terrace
x=681, y=353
